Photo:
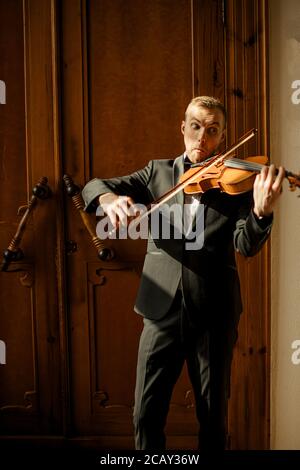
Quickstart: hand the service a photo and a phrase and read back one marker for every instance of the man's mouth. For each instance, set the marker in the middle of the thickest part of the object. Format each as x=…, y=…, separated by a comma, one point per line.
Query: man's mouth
x=201, y=151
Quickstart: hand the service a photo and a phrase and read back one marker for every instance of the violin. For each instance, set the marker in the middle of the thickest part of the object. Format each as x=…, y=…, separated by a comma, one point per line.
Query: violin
x=234, y=176
x=231, y=175
x=231, y=181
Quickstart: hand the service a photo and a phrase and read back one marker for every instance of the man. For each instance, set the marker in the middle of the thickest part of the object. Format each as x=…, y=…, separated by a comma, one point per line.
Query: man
x=190, y=299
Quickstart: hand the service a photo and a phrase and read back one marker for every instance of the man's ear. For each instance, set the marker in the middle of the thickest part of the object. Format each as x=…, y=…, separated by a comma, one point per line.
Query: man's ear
x=182, y=127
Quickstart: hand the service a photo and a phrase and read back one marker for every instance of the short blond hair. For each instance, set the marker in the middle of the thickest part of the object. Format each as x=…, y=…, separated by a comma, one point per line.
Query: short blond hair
x=209, y=102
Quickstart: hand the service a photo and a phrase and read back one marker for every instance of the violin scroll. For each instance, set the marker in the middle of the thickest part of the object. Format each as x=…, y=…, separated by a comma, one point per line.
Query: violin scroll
x=294, y=181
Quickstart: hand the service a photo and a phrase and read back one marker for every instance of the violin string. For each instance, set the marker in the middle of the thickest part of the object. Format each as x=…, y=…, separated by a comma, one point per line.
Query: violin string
x=252, y=166
x=243, y=164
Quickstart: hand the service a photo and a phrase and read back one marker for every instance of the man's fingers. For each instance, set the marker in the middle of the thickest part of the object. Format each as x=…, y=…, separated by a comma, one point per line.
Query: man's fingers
x=256, y=181
x=125, y=209
x=279, y=179
x=112, y=217
x=121, y=210
x=268, y=183
x=264, y=173
x=133, y=208
x=260, y=180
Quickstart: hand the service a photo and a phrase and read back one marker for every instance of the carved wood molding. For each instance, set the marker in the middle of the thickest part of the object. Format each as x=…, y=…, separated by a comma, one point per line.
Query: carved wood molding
x=98, y=276
x=26, y=271
x=30, y=404
x=101, y=399
x=27, y=279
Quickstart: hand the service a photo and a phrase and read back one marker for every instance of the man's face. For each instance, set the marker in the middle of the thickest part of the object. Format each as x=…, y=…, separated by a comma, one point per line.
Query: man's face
x=203, y=132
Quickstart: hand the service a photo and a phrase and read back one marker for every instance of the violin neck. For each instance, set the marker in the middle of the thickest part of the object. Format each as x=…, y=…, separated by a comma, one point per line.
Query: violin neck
x=251, y=166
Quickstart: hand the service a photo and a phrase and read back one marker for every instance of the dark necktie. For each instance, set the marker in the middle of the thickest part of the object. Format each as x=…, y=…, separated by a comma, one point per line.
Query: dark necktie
x=187, y=164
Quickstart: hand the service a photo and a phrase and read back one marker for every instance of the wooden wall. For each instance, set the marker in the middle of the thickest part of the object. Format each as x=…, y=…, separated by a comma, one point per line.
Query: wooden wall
x=98, y=88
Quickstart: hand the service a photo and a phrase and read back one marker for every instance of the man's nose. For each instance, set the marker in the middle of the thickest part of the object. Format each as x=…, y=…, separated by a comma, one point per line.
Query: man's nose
x=201, y=135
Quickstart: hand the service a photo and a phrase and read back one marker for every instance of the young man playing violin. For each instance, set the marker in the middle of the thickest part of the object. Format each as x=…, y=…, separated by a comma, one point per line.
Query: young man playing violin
x=190, y=299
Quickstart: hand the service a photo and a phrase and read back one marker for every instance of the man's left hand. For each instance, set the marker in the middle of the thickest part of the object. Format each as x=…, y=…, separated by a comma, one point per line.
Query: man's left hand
x=266, y=190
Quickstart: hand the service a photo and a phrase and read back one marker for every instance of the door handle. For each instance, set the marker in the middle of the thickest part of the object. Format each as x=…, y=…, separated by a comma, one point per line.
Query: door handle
x=14, y=253
x=74, y=191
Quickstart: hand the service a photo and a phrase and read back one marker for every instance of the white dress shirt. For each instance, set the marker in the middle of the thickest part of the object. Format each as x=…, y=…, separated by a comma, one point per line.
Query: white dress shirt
x=191, y=205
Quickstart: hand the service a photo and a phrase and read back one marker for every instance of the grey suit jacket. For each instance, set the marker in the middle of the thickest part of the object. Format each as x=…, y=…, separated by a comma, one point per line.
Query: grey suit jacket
x=208, y=276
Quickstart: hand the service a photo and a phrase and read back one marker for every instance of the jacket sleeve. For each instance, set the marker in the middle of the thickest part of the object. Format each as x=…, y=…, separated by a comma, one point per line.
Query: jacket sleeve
x=250, y=232
x=134, y=185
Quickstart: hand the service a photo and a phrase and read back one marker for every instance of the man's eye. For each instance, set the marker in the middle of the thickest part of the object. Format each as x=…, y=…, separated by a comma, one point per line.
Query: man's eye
x=194, y=125
x=212, y=130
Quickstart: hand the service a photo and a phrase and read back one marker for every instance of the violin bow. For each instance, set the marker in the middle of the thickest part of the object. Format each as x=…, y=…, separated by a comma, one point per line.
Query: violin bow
x=241, y=141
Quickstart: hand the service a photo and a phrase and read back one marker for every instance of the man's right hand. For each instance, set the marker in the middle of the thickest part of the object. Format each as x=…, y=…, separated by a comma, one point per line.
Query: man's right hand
x=120, y=209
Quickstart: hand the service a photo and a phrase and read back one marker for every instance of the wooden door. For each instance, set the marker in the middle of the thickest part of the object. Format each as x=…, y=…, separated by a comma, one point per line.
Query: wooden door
x=98, y=88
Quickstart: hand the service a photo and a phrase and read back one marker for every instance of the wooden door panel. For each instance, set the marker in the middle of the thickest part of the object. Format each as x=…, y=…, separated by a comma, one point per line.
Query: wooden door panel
x=246, y=41
x=30, y=392
x=136, y=109
x=134, y=112
x=18, y=374
x=112, y=335
x=140, y=56
x=18, y=399
x=12, y=119
x=114, y=286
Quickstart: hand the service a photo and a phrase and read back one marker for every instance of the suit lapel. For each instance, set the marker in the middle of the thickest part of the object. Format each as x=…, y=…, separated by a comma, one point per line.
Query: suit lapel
x=178, y=170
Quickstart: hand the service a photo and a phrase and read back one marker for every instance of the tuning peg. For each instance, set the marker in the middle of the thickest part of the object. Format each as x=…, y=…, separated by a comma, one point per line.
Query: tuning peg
x=292, y=187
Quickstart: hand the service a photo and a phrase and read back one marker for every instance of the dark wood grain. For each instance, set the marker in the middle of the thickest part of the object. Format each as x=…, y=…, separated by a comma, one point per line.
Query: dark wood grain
x=247, y=103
